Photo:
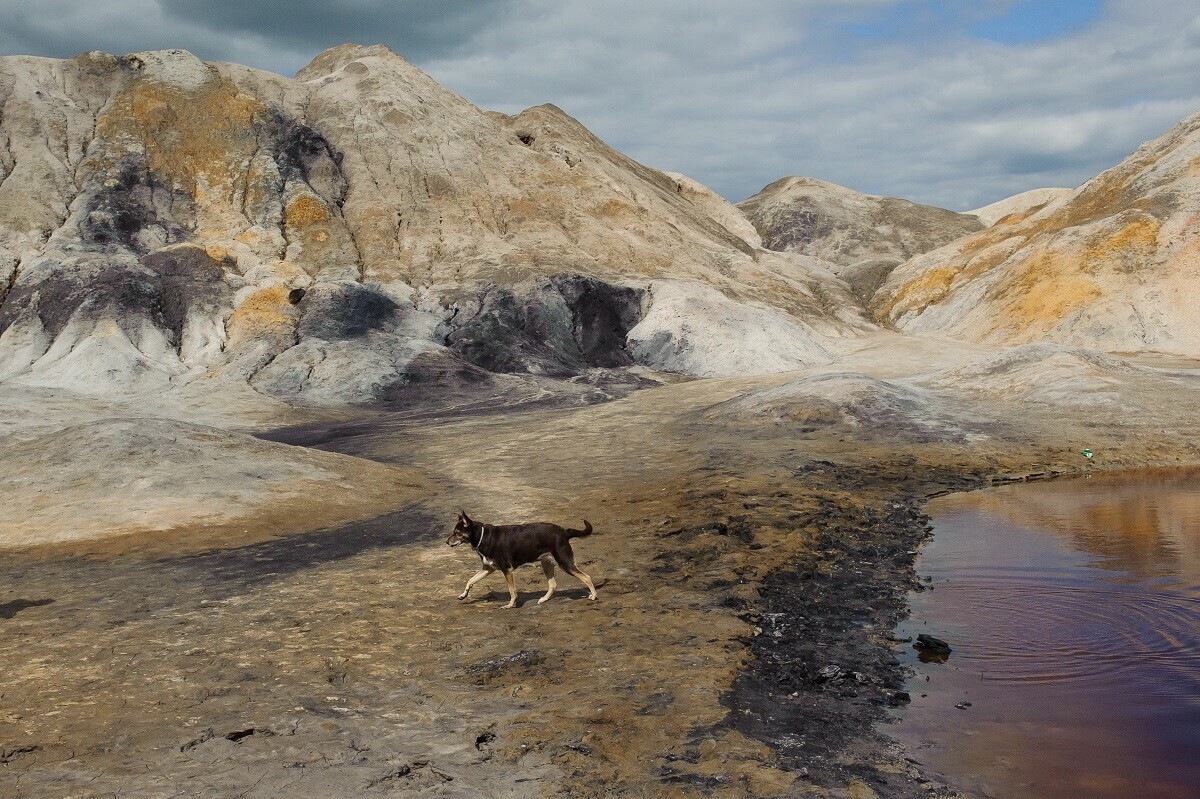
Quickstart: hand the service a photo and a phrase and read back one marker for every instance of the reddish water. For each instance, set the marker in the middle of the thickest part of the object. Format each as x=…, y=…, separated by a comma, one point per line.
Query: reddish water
x=1073, y=610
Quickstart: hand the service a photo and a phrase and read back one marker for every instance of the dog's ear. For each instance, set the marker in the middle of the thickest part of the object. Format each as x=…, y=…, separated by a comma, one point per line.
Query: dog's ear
x=465, y=517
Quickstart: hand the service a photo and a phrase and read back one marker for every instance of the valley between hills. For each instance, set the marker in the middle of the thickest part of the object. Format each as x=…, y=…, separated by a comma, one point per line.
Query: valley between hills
x=261, y=338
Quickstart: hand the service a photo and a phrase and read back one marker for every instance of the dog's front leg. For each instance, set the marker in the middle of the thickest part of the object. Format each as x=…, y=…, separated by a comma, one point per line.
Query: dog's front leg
x=479, y=575
x=512, y=590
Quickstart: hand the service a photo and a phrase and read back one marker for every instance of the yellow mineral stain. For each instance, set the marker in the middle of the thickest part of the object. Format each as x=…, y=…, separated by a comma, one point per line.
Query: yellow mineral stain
x=1044, y=292
x=305, y=210
x=613, y=208
x=986, y=261
x=221, y=255
x=1130, y=247
x=263, y=312
x=203, y=135
x=931, y=286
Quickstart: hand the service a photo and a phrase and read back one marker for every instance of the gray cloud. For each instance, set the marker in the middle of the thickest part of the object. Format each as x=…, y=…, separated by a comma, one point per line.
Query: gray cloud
x=735, y=97
x=419, y=29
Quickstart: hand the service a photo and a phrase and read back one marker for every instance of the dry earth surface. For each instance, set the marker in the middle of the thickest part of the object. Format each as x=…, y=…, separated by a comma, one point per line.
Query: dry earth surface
x=750, y=532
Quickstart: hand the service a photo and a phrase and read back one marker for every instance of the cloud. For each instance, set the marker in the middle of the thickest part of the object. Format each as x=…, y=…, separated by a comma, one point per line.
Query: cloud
x=914, y=98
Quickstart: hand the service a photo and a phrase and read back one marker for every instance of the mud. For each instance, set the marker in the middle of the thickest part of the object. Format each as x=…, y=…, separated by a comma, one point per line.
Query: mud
x=737, y=561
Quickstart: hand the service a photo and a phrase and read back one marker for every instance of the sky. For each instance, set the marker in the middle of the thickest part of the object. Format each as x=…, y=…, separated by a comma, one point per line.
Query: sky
x=953, y=103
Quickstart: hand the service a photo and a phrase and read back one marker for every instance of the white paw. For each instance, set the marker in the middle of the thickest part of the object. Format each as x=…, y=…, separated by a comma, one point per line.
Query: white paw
x=463, y=595
x=543, y=599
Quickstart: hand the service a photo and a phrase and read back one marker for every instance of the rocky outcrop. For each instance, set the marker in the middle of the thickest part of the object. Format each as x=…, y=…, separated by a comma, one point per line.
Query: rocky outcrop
x=862, y=235
x=695, y=329
x=1114, y=267
x=164, y=221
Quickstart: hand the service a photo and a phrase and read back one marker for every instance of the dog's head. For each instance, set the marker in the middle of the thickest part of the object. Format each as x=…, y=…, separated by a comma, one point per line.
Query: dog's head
x=462, y=530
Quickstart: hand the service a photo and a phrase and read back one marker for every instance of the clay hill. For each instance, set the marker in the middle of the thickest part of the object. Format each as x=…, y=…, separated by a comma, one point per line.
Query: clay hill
x=862, y=235
x=1114, y=266
x=341, y=235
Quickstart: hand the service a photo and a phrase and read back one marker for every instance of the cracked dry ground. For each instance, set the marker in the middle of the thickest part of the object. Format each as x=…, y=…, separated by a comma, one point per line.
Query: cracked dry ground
x=733, y=561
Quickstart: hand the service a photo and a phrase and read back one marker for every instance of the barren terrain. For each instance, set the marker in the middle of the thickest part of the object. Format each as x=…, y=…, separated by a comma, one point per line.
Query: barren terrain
x=749, y=534
x=262, y=337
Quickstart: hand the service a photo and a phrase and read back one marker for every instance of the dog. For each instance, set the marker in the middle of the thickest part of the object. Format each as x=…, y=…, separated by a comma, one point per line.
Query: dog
x=505, y=547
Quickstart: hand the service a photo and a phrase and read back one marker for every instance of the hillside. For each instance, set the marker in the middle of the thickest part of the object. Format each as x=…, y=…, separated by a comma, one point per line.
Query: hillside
x=338, y=236
x=864, y=236
x=1112, y=267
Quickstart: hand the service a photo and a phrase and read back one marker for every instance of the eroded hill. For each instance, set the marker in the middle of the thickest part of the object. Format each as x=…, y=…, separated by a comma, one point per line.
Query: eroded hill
x=864, y=236
x=338, y=236
x=1113, y=267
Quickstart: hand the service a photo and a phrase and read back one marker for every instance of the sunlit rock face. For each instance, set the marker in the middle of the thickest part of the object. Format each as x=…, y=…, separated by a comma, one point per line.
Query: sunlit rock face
x=326, y=238
x=1023, y=204
x=1112, y=267
x=863, y=236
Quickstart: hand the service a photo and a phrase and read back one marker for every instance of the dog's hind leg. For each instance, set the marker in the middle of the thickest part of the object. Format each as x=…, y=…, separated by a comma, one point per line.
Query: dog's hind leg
x=586, y=581
x=566, y=559
x=551, y=583
x=512, y=589
x=479, y=575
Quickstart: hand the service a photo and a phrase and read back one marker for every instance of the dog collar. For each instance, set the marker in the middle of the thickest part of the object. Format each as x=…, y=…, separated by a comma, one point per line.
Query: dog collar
x=482, y=533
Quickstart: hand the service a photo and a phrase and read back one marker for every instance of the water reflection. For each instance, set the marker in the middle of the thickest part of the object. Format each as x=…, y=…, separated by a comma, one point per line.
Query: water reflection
x=1142, y=523
x=1072, y=608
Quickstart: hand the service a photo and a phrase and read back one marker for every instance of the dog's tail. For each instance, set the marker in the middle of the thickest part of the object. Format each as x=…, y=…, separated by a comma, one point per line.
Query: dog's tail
x=584, y=533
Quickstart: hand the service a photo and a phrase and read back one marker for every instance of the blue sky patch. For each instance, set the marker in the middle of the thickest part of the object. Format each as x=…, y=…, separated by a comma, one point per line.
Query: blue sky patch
x=1013, y=23
x=1035, y=21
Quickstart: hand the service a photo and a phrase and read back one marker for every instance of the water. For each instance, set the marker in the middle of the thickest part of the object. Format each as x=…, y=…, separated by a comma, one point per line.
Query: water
x=1073, y=610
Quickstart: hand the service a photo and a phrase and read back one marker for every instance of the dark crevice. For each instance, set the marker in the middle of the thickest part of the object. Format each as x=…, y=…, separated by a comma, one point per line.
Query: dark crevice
x=565, y=325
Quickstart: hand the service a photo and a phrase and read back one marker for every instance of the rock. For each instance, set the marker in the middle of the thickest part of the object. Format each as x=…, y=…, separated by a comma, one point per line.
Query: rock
x=1044, y=373
x=695, y=329
x=962, y=705
x=830, y=672
x=855, y=401
x=934, y=647
x=562, y=325
x=114, y=477
x=729, y=216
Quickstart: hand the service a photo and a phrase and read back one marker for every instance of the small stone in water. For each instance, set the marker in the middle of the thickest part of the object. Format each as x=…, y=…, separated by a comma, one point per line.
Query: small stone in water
x=927, y=645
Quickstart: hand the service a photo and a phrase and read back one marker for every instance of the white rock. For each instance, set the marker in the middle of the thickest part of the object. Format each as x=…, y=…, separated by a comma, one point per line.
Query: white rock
x=694, y=329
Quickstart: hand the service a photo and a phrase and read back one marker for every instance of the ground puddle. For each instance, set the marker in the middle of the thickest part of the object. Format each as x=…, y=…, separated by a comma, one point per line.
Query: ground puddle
x=1073, y=611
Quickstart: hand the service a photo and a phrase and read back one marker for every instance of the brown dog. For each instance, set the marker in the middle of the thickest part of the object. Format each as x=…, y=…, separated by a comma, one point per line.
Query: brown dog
x=505, y=547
